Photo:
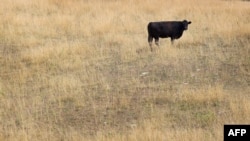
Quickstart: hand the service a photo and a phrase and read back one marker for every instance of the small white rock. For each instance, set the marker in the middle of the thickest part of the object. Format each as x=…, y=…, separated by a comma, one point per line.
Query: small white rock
x=144, y=73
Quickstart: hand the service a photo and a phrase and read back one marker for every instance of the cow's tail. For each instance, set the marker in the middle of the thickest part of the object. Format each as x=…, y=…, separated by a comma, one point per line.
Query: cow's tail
x=148, y=27
x=150, y=38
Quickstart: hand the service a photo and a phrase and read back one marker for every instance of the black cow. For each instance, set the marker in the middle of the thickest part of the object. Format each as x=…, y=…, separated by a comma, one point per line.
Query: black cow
x=165, y=29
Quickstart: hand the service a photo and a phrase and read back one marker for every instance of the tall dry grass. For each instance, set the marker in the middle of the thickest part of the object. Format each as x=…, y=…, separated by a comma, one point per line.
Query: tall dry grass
x=82, y=70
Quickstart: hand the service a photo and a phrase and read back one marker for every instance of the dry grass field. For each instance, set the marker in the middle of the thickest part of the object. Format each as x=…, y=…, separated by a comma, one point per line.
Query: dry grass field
x=74, y=70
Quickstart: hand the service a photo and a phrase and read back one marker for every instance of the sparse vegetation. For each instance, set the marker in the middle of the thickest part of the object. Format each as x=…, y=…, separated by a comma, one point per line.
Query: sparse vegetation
x=83, y=70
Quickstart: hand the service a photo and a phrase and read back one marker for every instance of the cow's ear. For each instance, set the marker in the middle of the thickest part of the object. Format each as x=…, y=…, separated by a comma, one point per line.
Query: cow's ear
x=189, y=22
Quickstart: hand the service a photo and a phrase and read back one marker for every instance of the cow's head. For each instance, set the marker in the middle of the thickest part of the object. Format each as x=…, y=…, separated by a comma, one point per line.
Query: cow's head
x=185, y=24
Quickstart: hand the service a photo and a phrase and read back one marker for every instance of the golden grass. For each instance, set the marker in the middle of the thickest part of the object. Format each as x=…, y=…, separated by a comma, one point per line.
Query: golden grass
x=83, y=70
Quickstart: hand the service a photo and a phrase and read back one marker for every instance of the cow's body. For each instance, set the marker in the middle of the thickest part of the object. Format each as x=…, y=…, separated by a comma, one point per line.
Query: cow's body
x=165, y=29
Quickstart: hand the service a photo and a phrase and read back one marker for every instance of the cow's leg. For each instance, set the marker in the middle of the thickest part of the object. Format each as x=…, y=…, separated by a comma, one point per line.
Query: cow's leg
x=150, y=40
x=157, y=41
x=172, y=41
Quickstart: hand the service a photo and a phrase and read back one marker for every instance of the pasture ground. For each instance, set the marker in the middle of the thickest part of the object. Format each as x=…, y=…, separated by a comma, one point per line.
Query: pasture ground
x=82, y=70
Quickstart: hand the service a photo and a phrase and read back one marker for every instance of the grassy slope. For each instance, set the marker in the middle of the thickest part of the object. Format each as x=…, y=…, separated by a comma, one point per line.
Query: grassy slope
x=73, y=70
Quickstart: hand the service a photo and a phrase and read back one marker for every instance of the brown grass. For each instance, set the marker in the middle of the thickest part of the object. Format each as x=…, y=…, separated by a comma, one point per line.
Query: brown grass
x=82, y=70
